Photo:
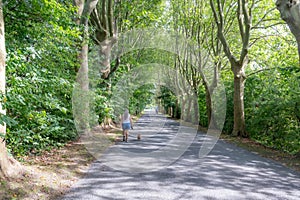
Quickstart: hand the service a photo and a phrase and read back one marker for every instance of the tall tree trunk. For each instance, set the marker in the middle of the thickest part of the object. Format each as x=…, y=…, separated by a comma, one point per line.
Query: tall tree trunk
x=196, y=110
x=9, y=167
x=82, y=102
x=105, y=49
x=183, y=107
x=238, y=99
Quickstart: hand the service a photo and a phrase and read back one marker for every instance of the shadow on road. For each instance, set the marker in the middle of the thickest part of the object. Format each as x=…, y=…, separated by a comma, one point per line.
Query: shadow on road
x=228, y=172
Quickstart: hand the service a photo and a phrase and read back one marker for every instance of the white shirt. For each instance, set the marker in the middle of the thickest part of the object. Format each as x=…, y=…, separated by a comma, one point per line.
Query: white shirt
x=126, y=120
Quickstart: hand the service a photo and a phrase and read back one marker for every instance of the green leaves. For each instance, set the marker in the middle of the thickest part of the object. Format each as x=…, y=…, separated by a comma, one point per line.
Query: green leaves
x=271, y=111
x=42, y=43
x=141, y=97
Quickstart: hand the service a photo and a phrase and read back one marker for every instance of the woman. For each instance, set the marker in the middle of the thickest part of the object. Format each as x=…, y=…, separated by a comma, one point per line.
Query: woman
x=126, y=121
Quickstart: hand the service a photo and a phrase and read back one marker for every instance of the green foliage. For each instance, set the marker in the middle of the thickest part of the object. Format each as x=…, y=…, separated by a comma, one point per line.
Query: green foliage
x=272, y=109
x=39, y=101
x=41, y=43
x=138, y=13
x=203, y=119
x=272, y=94
x=102, y=104
x=169, y=101
x=141, y=97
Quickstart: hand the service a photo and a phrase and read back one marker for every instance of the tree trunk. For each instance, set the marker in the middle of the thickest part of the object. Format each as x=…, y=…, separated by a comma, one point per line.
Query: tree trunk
x=188, y=117
x=196, y=110
x=82, y=100
x=290, y=13
x=238, y=99
x=105, y=49
x=183, y=109
x=103, y=21
x=177, y=110
x=244, y=19
x=208, y=102
x=9, y=167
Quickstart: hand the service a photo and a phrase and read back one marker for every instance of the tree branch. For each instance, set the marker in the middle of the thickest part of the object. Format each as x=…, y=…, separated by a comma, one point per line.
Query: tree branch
x=221, y=36
x=263, y=19
x=89, y=6
x=240, y=18
x=247, y=28
x=261, y=70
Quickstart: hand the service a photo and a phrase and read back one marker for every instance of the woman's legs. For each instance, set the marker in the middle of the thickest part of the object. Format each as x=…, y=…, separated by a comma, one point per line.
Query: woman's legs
x=125, y=127
x=126, y=135
x=123, y=135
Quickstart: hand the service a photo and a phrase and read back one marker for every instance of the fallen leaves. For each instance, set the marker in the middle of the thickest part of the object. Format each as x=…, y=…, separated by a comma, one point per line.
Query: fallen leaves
x=48, y=175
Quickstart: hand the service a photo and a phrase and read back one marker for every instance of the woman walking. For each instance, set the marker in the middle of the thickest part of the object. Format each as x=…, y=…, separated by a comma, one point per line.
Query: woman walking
x=126, y=122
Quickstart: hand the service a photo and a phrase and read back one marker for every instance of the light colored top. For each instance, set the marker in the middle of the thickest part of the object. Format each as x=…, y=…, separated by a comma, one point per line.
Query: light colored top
x=126, y=120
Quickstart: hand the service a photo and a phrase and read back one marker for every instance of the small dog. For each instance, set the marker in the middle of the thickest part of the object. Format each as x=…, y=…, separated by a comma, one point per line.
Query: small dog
x=138, y=137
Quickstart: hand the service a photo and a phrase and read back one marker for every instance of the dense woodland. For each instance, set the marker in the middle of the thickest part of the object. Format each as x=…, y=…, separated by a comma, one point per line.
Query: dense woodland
x=252, y=51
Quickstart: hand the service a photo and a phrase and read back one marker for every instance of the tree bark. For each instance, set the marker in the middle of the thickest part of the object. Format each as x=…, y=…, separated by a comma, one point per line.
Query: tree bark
x=238, y=99
x=9, y=167
x=290, y=13
x=84, y=11
x=81, y=111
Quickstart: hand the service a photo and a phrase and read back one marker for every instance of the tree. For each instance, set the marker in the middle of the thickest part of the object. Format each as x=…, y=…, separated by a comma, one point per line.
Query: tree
x=103, y=21
x=238, y=63
x=290, y=13
x=112, y=17
x=84, y=10
x=9, y=167
x=206, y=27
x=107, y=20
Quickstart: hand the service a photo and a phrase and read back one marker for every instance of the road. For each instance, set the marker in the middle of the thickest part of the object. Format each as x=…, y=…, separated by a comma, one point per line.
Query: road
x=227, y=172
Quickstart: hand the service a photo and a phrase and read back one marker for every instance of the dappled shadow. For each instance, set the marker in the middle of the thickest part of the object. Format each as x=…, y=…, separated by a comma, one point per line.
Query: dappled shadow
x=228, y=172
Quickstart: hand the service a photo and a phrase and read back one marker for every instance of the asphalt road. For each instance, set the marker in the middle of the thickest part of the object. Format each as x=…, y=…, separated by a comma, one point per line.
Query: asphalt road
x=227, y=172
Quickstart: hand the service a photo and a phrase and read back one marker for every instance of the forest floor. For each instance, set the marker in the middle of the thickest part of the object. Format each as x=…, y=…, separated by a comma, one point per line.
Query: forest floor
x=52, y=173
